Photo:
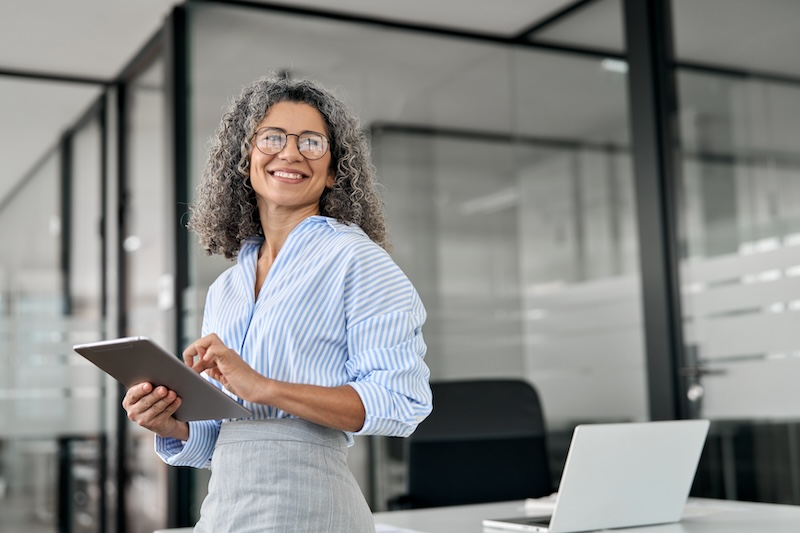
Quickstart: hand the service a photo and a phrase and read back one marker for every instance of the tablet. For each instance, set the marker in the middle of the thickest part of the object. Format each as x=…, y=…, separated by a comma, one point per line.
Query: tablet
x=132, y=360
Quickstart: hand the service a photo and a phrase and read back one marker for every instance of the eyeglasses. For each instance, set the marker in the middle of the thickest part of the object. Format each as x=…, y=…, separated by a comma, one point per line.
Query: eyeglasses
x=310, y=144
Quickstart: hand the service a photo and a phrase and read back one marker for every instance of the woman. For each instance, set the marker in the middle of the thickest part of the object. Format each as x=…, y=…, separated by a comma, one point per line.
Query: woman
x=314, y=329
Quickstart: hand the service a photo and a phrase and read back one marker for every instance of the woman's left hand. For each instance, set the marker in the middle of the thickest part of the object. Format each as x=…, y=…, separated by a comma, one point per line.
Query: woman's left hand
x=210, y=354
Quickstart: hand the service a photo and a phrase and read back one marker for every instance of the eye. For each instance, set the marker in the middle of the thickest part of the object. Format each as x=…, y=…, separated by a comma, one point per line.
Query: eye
x=312, y=143
x=271, y=140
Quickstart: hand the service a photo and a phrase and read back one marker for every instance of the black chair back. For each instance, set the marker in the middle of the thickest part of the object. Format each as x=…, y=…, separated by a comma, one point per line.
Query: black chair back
x=484, y=441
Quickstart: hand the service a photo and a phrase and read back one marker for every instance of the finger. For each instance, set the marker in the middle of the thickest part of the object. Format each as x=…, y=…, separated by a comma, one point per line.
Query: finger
x=211, y=338
x=162, y=405
x=213, y=352
x=150, y=406
x=136, y=393
x=207, y=341
x=191, y=357
x=189, y=354
x=209, y=358
x=148, y=401
x=202, y=364
x=170, y=409
x=199, y=347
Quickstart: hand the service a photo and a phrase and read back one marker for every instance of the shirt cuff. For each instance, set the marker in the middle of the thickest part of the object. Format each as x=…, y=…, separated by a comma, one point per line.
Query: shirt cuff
x=388, y=413
x=194, y=452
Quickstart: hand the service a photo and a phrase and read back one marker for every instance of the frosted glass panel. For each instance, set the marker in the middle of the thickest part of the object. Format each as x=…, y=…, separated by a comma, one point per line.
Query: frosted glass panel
x=741, y=227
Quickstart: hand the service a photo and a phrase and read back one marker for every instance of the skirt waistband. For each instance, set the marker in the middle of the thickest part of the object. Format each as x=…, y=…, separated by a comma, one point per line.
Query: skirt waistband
x=282, y=429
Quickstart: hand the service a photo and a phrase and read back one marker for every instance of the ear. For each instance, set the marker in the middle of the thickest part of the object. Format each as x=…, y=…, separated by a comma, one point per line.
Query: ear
x=330, y=180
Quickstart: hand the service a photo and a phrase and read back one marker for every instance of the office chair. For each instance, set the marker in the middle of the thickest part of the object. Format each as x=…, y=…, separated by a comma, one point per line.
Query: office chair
x=483, y=442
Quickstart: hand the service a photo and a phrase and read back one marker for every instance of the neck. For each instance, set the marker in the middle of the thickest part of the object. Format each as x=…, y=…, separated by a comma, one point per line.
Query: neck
x=278, y=225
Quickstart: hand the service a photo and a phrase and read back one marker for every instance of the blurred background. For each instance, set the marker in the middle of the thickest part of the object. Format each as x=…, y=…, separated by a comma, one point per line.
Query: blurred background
x=613, y=219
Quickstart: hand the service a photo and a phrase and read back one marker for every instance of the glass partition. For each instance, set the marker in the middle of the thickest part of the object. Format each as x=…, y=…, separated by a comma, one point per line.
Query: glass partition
x=739, y=222
x=31, y=321
x=452, y=213
x=579, y=274
x=52, y=426
x=741, y=230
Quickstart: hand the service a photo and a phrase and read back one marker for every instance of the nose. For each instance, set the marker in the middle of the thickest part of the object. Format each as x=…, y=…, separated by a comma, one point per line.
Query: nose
x=290, y=151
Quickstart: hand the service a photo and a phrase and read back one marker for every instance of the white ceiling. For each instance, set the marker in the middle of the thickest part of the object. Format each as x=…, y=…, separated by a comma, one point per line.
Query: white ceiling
x=93, y=38
x=757, y=35
x=503, y=17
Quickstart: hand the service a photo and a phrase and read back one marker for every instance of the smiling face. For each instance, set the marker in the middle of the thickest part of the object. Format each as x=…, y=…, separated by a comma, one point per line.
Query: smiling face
x=287, y=184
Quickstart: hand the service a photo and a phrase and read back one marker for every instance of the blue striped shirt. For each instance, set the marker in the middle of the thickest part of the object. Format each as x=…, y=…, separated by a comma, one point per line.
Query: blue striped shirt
x=333, y=310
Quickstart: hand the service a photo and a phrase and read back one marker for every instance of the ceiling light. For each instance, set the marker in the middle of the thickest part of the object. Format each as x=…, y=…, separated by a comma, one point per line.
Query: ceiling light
x=614, y=65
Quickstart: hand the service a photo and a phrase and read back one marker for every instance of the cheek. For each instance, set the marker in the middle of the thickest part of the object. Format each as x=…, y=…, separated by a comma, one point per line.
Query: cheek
x=251, y=161
x=330, y=179
x=257, y=161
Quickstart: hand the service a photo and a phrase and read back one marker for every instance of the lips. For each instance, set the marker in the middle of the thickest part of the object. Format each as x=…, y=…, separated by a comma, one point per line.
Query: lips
x=288, y=174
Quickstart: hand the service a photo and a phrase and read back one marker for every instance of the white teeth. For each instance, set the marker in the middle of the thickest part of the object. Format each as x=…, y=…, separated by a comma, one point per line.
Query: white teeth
x=287, y=175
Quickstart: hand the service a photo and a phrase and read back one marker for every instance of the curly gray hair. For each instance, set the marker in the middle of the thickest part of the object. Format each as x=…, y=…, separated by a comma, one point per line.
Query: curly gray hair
x=224, y=211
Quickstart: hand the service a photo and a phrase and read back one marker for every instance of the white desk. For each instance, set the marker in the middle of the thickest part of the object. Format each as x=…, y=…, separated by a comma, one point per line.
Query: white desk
x=701, y=516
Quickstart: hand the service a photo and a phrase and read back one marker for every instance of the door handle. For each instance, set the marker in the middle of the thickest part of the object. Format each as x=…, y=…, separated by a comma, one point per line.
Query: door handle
x=699, y=371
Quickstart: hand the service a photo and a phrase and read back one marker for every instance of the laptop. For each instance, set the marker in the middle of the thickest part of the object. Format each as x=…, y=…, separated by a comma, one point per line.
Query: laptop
x=621, y=475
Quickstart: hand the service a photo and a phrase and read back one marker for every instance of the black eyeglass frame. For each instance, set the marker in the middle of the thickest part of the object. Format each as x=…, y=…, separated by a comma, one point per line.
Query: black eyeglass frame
x=325, y=141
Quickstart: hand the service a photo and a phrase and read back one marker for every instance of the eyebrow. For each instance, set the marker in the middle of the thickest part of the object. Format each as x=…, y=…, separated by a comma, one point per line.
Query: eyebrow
x=286, y=132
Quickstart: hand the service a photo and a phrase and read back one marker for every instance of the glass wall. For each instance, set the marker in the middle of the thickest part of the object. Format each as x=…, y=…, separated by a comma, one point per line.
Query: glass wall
x=60, y=279
x=508, y=191
x=741, y=231
x=31, y=314
x=740, y=236
x=52, y=417
x=578, y=244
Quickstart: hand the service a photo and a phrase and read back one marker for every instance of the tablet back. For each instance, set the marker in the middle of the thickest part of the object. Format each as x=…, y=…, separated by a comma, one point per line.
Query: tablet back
x=132, y=360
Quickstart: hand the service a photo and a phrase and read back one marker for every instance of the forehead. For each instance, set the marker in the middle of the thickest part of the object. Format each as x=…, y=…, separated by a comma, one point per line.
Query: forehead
x=294, y=117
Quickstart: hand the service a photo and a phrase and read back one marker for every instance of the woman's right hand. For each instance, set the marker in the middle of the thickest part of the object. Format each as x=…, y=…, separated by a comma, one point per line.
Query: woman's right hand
x=153, y=409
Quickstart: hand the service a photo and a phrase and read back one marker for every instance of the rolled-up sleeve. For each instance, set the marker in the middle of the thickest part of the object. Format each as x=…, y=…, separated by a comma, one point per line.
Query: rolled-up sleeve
x=387, y=349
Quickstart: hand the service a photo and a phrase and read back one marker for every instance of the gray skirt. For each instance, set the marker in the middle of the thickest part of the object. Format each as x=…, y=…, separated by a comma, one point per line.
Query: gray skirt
x=282, y=475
